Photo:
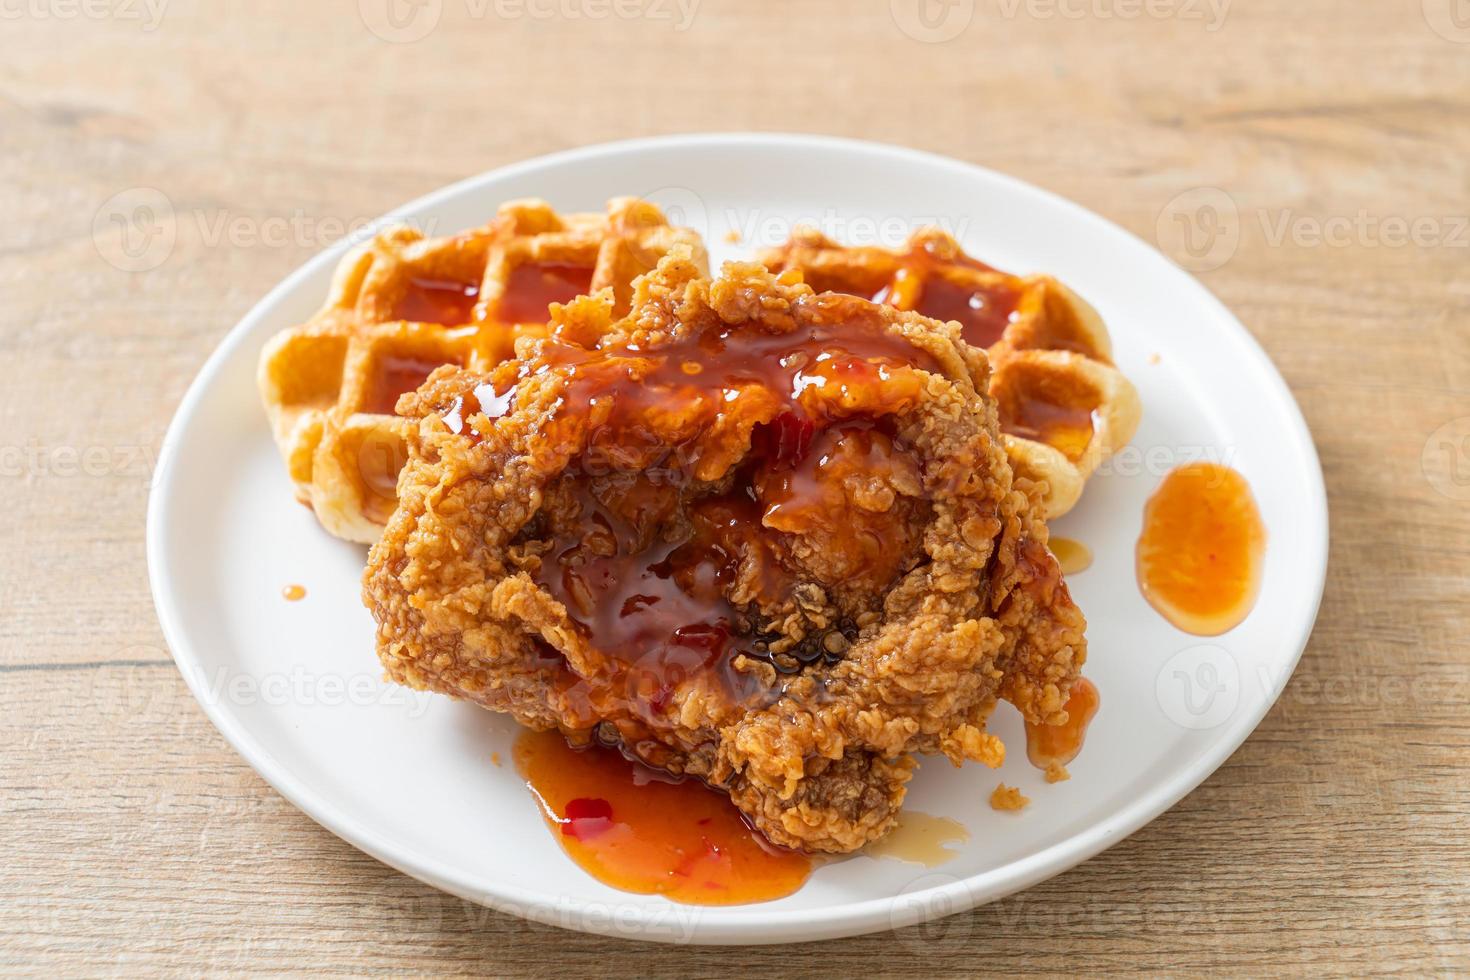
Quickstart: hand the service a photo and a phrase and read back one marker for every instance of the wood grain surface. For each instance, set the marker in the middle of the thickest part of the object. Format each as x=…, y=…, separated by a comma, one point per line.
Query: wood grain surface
x=1314, y=150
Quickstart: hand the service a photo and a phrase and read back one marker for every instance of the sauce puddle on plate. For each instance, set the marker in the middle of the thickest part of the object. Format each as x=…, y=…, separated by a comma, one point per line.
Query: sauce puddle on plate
x=1072, y=556
x=1051, y=747
x=920, y=838
x=1199, y=555
x=632, y=828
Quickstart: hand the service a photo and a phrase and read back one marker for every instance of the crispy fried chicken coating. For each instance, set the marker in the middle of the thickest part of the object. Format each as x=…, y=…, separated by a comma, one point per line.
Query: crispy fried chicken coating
x=748, y=533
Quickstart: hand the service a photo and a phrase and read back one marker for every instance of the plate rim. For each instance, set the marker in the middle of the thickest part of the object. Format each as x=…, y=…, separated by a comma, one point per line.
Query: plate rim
x=733, y=924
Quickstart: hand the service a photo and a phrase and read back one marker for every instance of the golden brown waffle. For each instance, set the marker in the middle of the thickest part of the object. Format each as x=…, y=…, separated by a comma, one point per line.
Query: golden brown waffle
x=1063, y=405
x=403, y=305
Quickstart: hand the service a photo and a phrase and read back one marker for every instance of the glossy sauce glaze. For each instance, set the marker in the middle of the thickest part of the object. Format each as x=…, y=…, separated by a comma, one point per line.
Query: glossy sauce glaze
x=394, y=376
x=983, y=311
x=532, y=287
x=1052, y=747
x=1200, y=553
x=444, y=301
x=920, y=838
x=1073, y=556
x=632, y=828
x=656, y=603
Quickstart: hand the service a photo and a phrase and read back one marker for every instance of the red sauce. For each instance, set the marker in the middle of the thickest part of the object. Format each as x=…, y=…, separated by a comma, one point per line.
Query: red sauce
x=437, y=301
x=392, y=377
x=634, y=828
x=983, y=310
x=1053, y=746
x=983, y=313
x=645, y=568
x=1199, y=556
x=532, y=287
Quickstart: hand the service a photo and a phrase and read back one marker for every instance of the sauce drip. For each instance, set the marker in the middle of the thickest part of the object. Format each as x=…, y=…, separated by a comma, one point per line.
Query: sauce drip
x=1051, y=747
x=532, y=287
x=445, y=301
x=920, y=838
x=394, y=376
x=633, y=828
x=1068, y=428
x=1200, y=553
x=982, y=310
x=644, y=565
x=1072, y=556
x=293, y=593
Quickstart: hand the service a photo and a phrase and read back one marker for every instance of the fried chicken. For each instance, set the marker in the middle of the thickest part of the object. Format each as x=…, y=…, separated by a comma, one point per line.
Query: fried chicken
x=748, y=533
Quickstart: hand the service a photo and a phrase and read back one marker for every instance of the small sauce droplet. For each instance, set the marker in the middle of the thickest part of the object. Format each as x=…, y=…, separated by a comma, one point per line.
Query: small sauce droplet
x=632, y=828
x=1073, y=556
x=1199, y=556
x=920, y=838
x=293, y=593
x=1051, y=747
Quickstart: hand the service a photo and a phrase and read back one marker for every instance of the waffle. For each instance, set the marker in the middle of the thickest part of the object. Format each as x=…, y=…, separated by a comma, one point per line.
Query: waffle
x=1063, y=405
x=402, y=305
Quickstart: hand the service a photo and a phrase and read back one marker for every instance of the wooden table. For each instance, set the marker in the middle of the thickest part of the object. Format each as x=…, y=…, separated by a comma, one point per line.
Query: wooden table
x=1335, y=139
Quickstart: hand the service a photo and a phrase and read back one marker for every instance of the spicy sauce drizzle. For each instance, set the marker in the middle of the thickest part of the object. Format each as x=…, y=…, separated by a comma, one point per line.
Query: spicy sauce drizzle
x=644, y=566
x=1200, y=552
x=532, y=287
x=983, y=311
x=634, y=828
x=443, y=301
x=1051, y=747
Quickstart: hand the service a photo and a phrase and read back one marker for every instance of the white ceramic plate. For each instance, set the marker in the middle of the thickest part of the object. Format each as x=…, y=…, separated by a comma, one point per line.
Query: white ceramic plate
x=407, y=777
